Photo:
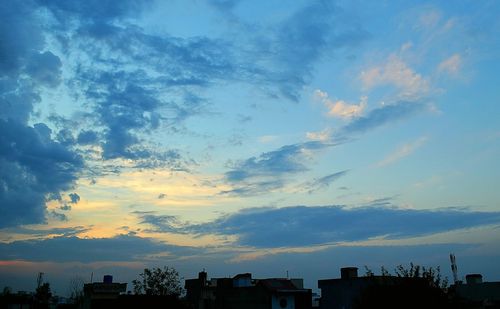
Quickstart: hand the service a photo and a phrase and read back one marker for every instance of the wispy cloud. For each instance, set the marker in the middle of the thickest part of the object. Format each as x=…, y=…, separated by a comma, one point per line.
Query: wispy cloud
x=160, y=223
x=451, y=65
x=322, y=136
x=322, y=182
x=403, y=151
x=268, y=171
x=340, y=108
x=430, y=18
x=395, y=72
x=301, y=39
x=382, y=115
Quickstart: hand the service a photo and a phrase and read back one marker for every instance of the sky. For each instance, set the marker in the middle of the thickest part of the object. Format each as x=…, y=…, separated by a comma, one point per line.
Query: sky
x=247, y=136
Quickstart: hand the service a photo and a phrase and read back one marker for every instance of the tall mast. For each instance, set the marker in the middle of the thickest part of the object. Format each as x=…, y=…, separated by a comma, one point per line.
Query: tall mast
x=454, y=268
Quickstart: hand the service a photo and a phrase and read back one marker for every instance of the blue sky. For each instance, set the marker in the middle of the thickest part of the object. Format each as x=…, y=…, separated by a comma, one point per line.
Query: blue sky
x=244, y=136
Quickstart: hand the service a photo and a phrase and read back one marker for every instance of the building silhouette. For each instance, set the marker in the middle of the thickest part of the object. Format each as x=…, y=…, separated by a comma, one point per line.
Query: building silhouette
x=242, y=292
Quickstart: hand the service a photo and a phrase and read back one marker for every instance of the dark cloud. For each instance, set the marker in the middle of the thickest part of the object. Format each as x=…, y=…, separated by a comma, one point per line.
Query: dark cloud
x=383, y=115
x=65, y=207
x=267, y=172
x=132, y=71
x=45, y=69
x=58, y=216
x=94, y=9
x=74, y=197
x=159, y=223
x=86, y=250
x=17, y=100
x=262, y=174
x=162, y=196
x=87, y=138
x=323, y=182
x=20, y=39
x=255, y=188
x=43, y=233
x=130, y=77
x=32, y=167
x=20, y=45
x=305, y=226
x=288, y=159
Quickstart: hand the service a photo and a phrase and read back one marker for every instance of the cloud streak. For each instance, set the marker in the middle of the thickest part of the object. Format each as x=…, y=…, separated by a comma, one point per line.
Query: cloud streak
x=268, y=171
x=87, y=250
x=323, y=182
x=381, y=116
x=403, y=151
x=307, y=226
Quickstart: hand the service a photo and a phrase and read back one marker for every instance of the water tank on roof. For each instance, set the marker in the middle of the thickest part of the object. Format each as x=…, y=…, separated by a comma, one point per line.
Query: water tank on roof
x=107, y=279
x=348, y=272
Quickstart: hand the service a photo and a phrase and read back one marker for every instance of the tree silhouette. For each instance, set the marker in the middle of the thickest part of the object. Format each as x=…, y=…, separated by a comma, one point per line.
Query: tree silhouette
x=411, y=287
x=75, y=289
x=158, y=281
x=43, y=295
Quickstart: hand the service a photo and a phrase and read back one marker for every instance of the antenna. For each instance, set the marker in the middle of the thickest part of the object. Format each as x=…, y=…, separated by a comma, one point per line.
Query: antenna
x=454, y=267
x=39, y=279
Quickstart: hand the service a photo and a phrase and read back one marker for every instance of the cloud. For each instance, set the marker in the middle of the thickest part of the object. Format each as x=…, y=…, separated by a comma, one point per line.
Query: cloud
x=162, y=196
x=58, y=216
x=286, y=160
x=32, y=167
x=44, y=233
x=382, y=115
x=279, y=57
x=268, y=171
x=301, y=40
x=322, y=136
x=87, y=138
x=395, y=72
x=86, y=250
x=45, y=69
x=306, y=226
x=95, y=9
x=403, y=151
x=65, y=207
x=18, y=36
x=255, y=188
x=429, y=19
x=451, y=65
x=323, y=182
x=19, y=51
x=160, y=223
x=134, y=82
x=75, y=198
x=340, y=108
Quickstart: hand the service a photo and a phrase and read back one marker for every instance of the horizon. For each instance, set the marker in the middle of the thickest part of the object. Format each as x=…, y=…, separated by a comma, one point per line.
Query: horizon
x=255, y=137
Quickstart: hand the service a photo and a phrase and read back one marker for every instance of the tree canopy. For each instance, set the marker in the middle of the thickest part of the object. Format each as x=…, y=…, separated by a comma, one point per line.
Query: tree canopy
x=158, y=281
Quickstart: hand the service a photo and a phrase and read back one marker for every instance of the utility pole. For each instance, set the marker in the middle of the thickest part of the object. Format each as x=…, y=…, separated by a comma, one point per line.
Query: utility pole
x=39, y=280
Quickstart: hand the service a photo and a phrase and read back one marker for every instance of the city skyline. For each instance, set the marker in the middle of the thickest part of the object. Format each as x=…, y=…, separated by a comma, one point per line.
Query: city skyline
x=247, y=136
